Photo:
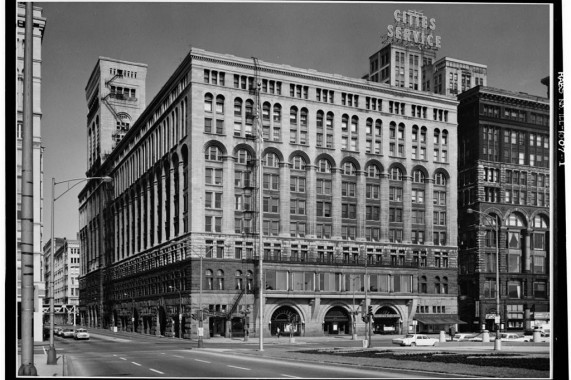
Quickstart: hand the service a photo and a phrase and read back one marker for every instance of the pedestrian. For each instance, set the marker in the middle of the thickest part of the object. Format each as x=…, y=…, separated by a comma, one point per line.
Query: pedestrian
x=278, y=332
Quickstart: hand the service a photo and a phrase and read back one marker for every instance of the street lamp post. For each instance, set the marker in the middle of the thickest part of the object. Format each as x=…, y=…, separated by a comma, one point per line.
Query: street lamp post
x=494, y=221
x=52, y=355
x=200, y=312
x=354, y=314
x=179, y=311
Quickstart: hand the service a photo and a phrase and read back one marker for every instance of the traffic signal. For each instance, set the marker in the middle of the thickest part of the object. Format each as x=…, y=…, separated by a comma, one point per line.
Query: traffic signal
x=370, y=310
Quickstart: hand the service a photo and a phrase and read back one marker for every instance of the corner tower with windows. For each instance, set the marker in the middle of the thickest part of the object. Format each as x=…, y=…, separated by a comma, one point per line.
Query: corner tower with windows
x=115, y=95
x=503, y=166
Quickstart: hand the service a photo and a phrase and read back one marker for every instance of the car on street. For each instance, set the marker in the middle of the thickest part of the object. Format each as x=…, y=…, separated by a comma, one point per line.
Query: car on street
x=544, y=336
x=415, y=340
x=67, y=333
x=479, y=337
x=511, y=337
x=81, y=334
x=462, y=337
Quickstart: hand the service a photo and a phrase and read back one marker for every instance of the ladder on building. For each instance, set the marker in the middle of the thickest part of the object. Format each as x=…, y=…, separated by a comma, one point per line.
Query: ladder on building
x=235, y=303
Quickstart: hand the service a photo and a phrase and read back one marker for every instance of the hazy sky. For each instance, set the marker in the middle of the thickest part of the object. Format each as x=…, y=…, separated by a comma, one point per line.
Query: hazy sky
x=338, y=38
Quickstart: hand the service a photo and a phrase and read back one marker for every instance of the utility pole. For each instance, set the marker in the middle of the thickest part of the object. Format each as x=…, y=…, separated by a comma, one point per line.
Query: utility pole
x=27, y=367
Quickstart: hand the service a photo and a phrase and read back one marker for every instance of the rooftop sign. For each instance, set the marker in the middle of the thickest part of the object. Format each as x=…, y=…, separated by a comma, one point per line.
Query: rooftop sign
x=413, y=28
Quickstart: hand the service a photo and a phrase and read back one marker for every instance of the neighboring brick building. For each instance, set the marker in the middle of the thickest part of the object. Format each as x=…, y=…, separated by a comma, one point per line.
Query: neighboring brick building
x=358, y=182
x=503, y=165
x=66, y=285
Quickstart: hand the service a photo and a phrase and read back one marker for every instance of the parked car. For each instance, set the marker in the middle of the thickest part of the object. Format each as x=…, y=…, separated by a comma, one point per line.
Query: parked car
x=81, y=334
x=511, y=337
x=67, y=333
x=415, y=340
x=478, y=337
x=544, y=336
x=462, y=337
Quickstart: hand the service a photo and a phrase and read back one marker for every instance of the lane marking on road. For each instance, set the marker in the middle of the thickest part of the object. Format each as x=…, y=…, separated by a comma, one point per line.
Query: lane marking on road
x=122, y=358
x=178, y=356
x=135, y=363
x=204, y=361
x=154, y=370
x=233, y=366
x=293, y=377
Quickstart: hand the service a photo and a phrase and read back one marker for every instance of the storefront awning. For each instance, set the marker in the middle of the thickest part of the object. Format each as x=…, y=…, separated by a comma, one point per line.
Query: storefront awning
x=438, y=319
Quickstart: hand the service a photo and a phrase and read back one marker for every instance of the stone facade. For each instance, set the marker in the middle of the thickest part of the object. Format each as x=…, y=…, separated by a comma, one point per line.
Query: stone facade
x=348, y=200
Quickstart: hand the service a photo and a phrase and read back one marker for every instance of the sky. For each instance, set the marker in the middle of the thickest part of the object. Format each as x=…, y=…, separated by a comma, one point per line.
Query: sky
x=337, y=38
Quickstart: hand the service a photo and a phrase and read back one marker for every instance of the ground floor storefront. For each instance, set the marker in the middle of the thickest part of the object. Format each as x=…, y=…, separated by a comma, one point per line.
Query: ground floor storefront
x=302, y=316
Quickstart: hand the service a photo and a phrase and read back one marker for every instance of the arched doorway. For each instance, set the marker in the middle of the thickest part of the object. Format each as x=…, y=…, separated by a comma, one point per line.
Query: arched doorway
x=337, y=321
x=288, y=321
x=386, y=321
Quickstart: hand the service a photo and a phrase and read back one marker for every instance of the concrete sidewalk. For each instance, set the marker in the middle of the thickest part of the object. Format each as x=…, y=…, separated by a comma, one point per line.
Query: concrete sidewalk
x=40, y=361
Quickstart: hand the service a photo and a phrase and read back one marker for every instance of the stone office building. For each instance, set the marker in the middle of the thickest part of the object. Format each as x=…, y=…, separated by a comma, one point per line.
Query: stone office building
x=504, y=172
x=359, y=203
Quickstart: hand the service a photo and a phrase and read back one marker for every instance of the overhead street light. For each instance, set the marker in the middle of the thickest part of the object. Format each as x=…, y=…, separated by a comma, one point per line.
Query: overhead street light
x=494, y=221
x=52, y=356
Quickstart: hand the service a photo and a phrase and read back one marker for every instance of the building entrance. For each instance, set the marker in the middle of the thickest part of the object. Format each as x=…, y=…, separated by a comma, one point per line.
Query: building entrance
x=337, y=321
x=287, y=320
x=386, y=321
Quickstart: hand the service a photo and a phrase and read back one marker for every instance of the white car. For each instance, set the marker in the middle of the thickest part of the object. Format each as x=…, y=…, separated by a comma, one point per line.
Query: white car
x=81, y=334
x=478, y=337
x=544, y=336
x=462, y=337
x=415, y=340
x=67, y=333
x=511, y=337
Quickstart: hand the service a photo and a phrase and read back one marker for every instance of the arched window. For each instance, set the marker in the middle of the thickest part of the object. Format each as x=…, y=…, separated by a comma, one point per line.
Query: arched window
x=244, y=156
x=349, y=168
x=239, y=280
x=515, y=220
x=444, y=137
x=277, y=113
x=423, y=134
x=209, y=280
x=271, y=160
x=396, y=174
x=250, y=279
x=213, y=153
x=437, y=285
x=436, y=136
x=238, y=107
x=220, y=279
x=373, y=171
x=324, y=166
x=293, y=116
x=539, y=221
x=298, y=163
x=266, y=112
x=418, y=176
x=220, y=104
x=415, y=133
x=208, y=103
x=444, y=286
x=439, y=179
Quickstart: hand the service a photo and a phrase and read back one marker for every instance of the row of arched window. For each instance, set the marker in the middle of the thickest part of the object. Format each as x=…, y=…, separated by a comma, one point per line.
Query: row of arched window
x=326, y=164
